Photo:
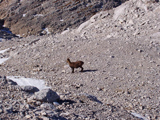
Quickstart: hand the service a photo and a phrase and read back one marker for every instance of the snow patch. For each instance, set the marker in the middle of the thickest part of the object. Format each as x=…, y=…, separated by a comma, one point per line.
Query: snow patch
x=24, y=15
x=38, y=15
x=2, y=60
x=22, y=81
x=18, y=35
x=46, y=30
x=3, y=51
x=139, y=116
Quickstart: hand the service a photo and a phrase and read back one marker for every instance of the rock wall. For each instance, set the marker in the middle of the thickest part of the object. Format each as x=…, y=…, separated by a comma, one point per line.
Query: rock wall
x=38, y=17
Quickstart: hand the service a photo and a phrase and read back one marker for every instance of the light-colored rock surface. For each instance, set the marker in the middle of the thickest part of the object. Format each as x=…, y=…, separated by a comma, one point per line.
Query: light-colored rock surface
x=45, y=95
x=121, y=68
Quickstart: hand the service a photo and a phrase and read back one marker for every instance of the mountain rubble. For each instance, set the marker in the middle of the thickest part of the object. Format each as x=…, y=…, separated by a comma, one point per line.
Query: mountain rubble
x=121, y=51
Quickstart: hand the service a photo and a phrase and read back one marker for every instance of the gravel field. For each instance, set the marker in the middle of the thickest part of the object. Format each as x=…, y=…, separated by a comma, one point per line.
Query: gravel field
x=120, y=49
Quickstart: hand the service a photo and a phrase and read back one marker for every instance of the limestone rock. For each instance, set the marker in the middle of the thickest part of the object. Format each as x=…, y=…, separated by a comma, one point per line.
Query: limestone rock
x=45, y=95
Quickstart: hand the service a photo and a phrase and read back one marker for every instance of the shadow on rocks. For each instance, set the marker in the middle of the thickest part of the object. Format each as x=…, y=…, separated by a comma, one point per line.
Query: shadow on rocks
x=66, y=101
x=90, y=70
x=5, y=33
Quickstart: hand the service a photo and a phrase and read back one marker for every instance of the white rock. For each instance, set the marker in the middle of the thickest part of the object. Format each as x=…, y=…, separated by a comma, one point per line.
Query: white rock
x=63, y=71
x=1, y=110
x=28, y=116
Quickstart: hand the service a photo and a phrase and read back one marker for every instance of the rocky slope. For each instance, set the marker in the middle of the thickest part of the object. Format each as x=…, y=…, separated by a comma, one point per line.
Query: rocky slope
x=121, y=51
x=40, y=17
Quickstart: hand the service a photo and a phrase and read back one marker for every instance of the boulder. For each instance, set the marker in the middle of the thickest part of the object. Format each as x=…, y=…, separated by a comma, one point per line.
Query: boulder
x=45, y=95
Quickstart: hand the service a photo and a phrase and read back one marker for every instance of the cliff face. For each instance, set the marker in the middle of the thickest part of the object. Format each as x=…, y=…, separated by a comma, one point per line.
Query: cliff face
x=38, y=17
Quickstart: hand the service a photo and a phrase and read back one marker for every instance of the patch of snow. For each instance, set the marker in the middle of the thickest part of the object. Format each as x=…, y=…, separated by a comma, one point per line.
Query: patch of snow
x=18, y=35
x=22, y=81
x=38, y=15
x=3, y=51
x=46, y=29
x=139, y=116
x=2, y=60
x=61, y=20
x=24, y=15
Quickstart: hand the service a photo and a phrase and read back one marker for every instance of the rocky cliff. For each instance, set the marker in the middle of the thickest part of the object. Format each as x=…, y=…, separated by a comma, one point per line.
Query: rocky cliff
x=38, y=17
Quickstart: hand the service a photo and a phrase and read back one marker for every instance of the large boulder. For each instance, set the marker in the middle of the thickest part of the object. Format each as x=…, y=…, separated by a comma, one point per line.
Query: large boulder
x=45, y=95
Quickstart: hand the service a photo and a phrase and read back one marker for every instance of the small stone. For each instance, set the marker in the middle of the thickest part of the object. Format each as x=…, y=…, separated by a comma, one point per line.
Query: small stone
x=1, y=110
x=99, y=89
x=8, y=110
x=141, y=107
x=56, y=103
x=38, y=103
x=45, y=118
x=47, y=106
x=28, y=106
x=28, y=116
x=140, y=51
x=43, y=113
x=112, y=56
x=130, y=22
x=65, y=114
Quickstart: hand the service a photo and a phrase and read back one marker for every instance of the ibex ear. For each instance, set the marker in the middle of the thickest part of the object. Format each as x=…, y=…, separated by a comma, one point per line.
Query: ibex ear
x=68, y=59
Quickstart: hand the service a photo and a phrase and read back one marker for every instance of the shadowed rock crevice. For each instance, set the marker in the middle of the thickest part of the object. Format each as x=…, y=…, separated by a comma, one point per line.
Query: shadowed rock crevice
x=5, y=33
